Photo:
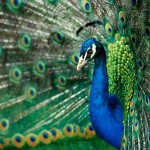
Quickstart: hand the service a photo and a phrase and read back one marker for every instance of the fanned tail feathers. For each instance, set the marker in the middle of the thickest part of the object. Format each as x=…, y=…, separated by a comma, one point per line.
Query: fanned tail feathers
x=43, y=98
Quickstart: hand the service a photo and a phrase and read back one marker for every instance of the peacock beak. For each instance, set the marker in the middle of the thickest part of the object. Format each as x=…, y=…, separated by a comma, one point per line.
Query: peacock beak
x=81, y=63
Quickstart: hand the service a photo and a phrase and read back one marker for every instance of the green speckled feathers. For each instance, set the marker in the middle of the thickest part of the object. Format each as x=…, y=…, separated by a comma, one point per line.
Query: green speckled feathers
x=43, y=99
x=121, y=73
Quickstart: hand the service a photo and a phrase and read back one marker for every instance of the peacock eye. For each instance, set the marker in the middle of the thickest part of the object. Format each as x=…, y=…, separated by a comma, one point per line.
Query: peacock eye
x=90, y=52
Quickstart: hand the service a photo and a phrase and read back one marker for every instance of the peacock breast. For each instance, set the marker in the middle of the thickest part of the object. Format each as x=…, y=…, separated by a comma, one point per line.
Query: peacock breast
x=121, y=72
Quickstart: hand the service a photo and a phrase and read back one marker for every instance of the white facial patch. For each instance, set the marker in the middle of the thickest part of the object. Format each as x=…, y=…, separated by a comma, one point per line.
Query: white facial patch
x=82, y=60
x=94, y=50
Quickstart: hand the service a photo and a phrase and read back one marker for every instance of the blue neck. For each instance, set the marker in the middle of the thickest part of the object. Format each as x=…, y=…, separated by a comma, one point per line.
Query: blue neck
x=100, y=79
x=105, y=110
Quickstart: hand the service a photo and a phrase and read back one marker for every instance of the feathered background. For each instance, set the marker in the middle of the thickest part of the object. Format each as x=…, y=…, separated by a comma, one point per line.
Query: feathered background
x=44, y=100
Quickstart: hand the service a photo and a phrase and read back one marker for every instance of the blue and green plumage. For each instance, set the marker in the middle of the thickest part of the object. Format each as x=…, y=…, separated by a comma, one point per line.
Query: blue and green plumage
x=102, y=105
x=45, y=137
x=15, y=75
x=24, y=42
x=39, y=68
x=44, y=101
x=14, y=5
x=18, y=140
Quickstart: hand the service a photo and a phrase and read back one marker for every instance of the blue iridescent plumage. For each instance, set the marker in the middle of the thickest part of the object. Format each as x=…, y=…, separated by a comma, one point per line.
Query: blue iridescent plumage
x=105, y=110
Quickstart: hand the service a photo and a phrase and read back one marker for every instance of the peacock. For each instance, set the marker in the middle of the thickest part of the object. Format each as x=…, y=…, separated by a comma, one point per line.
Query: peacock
x=74, y=74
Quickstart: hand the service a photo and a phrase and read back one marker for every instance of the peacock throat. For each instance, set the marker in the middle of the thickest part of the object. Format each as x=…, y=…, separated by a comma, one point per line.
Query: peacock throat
x=121, y=73
x=106, y=113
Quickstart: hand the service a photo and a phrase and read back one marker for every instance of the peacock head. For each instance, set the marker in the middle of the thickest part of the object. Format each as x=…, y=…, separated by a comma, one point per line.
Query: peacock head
x=89, y=49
